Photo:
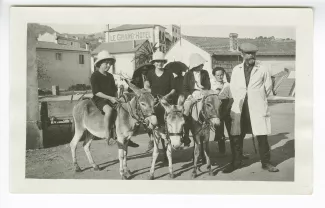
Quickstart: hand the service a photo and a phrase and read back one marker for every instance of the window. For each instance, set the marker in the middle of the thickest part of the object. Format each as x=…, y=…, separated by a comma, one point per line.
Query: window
x=81, y=59
x=58, y=56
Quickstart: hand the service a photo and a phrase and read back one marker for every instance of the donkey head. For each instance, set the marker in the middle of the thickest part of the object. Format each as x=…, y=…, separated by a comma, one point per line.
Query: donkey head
x=211, y=106
x=174, y=121
x=145, y=102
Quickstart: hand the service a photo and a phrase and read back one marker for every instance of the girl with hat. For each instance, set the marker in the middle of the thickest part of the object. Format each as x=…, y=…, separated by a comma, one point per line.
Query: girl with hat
x=104, y=88
x=160, y=83
x=195, y=80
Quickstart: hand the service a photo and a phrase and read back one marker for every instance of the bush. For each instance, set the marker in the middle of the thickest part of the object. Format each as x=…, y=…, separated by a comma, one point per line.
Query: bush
x=79, y=87
x=44, y=92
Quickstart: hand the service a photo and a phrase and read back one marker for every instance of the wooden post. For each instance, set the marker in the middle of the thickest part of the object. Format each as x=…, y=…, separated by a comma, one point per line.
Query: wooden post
x=34, y=137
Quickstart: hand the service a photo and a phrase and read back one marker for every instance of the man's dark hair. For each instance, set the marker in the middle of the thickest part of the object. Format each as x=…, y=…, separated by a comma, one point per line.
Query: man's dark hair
x=218, y=68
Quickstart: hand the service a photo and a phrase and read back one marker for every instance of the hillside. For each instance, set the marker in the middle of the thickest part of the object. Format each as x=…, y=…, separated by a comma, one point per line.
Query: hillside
x=92, y=39
x=40, y=29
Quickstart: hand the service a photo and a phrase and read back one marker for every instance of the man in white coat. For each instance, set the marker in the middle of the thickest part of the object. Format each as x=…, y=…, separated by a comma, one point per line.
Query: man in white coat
x=250, y=85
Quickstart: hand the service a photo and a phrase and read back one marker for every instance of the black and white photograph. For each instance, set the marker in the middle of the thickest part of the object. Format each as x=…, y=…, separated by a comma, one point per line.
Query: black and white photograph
x=176, y=101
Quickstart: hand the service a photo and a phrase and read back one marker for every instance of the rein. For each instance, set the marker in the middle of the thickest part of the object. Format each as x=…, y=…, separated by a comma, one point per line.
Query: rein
x=168, y=134
x=138, y=115
x=206, y=119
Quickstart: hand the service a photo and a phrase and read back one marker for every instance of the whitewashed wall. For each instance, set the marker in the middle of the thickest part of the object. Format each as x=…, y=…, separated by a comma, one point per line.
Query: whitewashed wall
x=124, y=64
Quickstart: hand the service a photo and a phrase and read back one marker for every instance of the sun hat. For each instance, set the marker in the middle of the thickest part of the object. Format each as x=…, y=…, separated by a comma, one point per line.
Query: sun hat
x=196, y=60
x=158, y=56
x=104, y=55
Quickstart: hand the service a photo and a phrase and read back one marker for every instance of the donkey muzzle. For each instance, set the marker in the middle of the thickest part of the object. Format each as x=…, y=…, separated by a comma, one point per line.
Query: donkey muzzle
x=215, y=121
x=151, y=121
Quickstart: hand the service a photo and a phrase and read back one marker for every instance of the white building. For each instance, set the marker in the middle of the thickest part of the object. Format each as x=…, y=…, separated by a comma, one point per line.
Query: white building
x=155, y=34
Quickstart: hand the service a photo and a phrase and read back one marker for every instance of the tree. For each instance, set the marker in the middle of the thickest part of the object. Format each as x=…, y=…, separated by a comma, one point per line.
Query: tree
x=144, y=54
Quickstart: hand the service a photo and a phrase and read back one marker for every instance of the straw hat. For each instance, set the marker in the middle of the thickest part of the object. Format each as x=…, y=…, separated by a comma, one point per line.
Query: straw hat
x=158, y=56
x=196, y=60
x=104, y=55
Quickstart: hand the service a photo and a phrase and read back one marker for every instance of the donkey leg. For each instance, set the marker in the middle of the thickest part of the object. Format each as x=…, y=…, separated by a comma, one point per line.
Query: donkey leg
x=87, y=144
x=207, y=156
x=170, y=160
x=164, y=150
x=73, y=145
x=127, y=172
x=155, y=154
x=121, y=159
x=196, y=158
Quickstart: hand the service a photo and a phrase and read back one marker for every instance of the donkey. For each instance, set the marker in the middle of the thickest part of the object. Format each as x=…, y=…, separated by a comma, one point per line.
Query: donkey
x=171, y=132
x=204, y=116
x=140, y=110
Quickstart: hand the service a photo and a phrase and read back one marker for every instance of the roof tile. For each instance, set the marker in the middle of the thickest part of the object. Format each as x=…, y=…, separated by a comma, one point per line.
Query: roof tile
x=220, y=46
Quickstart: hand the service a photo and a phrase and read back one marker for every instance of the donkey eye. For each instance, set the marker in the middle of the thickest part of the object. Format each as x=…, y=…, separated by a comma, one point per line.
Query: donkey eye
x=208, y=104
x=143, y=104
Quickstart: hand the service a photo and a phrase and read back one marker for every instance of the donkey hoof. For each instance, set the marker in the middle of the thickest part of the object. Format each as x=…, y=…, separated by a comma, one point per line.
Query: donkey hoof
x=171, y=175
x=124, y=177
x=96, y=168
x=151, y=177
x=194, y=175
x=77, y=169
x=128, y=173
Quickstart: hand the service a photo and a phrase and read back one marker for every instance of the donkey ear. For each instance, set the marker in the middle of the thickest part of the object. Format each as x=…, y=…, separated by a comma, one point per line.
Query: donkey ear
x=181, y=100
x=165, y=104
x=135, y=89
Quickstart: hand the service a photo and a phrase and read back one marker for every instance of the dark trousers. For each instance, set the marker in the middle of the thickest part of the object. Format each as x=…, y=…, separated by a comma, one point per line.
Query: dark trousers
x=225, y=120
x=220, y=136
x=236, y=143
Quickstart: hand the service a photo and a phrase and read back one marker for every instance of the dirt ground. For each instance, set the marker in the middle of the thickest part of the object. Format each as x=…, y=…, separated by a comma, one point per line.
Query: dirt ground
x=54, y=162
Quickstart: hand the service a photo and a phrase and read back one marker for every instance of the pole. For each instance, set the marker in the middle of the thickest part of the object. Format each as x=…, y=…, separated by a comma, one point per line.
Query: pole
x=253, y=138
x=34, y=134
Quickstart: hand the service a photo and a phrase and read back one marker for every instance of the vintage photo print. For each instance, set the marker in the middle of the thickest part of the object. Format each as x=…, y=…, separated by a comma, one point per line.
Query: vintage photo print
x=213, y=99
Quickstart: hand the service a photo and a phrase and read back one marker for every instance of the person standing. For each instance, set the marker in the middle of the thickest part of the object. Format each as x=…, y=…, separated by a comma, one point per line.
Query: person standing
x=250, y=85
x=222, y=88
x=160, y=83
x=195, y=80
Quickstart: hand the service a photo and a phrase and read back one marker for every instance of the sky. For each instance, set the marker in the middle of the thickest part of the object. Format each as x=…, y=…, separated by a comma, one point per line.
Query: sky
x=193, y=30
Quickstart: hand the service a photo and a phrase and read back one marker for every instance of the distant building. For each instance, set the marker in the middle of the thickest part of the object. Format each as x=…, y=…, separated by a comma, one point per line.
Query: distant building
x=224, y=52
x=174, y=32
x=65, y=65
x=63, y=40
x=155, y=34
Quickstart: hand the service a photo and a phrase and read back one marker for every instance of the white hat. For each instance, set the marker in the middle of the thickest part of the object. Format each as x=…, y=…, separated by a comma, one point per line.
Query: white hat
x=158, y=56
x=196, y=60
x=104, y=55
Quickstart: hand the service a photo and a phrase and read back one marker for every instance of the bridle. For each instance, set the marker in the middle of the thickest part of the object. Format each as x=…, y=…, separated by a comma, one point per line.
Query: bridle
x=138, y=115
x=205, y=122
x=169, y=134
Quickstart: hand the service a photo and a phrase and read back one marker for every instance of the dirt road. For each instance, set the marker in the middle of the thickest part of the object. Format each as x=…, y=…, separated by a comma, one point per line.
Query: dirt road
x=56, y=162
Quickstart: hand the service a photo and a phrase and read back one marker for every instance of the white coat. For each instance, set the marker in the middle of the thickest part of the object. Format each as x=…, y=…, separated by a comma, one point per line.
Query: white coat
x=259, y=87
